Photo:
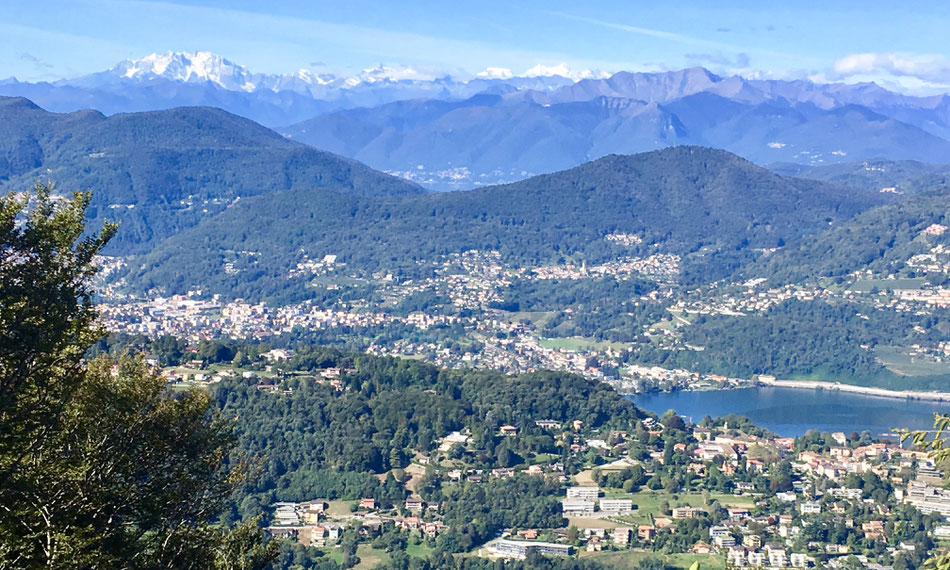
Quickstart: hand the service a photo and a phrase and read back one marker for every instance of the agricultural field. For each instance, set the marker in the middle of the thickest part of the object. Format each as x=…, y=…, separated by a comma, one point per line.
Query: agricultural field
x=580, y=344
x=630, y=558
x=905, y=364
x=867, y=285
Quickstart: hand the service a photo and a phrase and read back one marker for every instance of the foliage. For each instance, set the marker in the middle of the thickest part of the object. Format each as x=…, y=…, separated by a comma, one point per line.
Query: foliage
x=315, y=439
x=706, y=204
x=791, y=338
x=881, y=240
x=165, y=171
x=102, y=467
x=46, y=314
x=935, y=444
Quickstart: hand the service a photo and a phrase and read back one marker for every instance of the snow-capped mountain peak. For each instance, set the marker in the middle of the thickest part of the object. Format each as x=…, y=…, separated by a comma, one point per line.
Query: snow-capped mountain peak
x=191, y=67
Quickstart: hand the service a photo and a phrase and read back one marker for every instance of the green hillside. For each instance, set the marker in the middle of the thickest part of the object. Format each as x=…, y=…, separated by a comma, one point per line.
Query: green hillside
x=881, y=240
x=161, y=172
x=714, y=208
x=904, y=176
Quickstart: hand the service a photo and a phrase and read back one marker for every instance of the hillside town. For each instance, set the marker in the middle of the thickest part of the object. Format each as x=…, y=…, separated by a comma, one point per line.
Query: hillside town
x=458, y=317
x=709, y=491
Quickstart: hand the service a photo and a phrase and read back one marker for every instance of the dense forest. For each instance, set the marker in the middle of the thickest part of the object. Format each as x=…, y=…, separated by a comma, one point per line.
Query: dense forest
x=391, y=410
x=879, y=240
x=802, y=339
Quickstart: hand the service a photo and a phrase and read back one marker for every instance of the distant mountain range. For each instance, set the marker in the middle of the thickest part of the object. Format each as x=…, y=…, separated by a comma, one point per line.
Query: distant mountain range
x=160, y=172
x=451, y=132
x=163, y=81
x=492, y=138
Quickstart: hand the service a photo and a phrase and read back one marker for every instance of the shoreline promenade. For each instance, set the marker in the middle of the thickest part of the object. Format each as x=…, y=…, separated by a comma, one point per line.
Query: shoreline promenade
x=881, y=392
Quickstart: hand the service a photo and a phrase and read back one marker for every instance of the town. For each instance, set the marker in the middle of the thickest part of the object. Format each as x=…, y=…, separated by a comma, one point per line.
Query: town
x=722, y=492
x=459, y=316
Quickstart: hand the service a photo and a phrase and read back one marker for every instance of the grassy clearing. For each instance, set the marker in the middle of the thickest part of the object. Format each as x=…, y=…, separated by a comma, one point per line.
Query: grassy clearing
x=418, y=550
x=629, y=559
x=339, y=507
x=906, y=365
x=334, y=554
x=591, y=523
x=370, y=557
x=865, y=285
x=585, y=478
x=580, y=343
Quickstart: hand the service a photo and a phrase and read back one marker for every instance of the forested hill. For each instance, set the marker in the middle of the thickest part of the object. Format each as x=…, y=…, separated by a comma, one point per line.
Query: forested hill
x=163, y=171
x=898, y=176
x=710, y=206
x=405, y=406
x=882, y=240
x=315, y=440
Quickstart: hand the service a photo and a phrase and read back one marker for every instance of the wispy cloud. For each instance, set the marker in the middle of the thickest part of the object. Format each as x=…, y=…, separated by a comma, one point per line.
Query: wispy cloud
x=678, y=38
x=651, y=32
x=32, y=59
x=739, y=61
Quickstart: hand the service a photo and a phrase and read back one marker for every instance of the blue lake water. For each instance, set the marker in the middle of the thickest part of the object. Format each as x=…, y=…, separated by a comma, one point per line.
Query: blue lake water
x=791, y=412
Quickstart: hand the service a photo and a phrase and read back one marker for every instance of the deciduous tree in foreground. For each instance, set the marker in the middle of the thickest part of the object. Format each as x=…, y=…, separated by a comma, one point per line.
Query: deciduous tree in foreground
x=100, y=465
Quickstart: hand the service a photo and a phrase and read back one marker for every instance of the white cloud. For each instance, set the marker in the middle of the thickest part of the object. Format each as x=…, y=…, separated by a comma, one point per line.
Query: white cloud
x=927, y=68
x=563, y=70
x=495, y=73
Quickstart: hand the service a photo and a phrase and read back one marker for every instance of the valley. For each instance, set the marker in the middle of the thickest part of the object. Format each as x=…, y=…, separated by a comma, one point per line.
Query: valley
x=407, y=318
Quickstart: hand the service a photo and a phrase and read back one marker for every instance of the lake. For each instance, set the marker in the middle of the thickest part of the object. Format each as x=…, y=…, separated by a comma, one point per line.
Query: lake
x=791, y=412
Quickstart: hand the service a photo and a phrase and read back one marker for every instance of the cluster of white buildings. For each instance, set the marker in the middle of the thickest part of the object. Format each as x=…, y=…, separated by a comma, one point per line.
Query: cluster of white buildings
x=657, y=265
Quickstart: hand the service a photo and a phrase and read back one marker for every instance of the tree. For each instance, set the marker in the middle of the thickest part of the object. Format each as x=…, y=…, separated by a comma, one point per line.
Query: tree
x=936, y=446
x=672, y=420
x=102, y=467
x=46, y=315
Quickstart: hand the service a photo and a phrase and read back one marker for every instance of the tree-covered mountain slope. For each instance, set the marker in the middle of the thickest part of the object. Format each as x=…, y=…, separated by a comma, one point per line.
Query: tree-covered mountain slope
x=160, y=172
x=709, y=206
x=491, y=138
x=898, y=176
x=883, y=240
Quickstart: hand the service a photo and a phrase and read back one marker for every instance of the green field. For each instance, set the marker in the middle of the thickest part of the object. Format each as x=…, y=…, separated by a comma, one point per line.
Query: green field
x=370, y=557
x=865, y=285
x=647, y=503
x=537, y=318
x=630, y=558
x=418, y=550
x=331, y=553
x=907, y=365
x=339, y=507
x=580, y=343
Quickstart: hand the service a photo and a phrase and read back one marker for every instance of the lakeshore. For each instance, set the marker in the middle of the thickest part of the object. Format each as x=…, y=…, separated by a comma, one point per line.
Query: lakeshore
x=792, y=411
x=866, y=390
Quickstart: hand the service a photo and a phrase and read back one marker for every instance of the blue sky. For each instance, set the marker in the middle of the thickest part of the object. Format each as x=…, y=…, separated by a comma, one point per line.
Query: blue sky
x=900, y=47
